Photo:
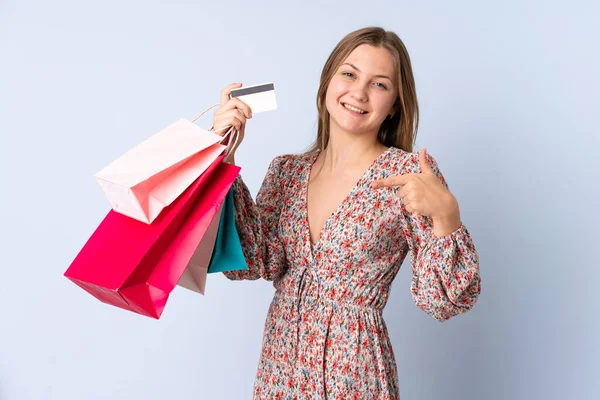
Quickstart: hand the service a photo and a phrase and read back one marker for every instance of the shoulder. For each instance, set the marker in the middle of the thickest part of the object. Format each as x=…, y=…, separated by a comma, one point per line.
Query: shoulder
x=289, y=163
x=399, y=162
x=290, y=160
x=288, y=167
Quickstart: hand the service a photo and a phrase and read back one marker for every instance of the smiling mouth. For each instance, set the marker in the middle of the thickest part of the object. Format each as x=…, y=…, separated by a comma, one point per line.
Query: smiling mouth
x=353, y=109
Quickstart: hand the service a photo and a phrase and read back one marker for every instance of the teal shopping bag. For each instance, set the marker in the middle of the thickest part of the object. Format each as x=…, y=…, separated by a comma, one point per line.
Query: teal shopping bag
x=227, y=252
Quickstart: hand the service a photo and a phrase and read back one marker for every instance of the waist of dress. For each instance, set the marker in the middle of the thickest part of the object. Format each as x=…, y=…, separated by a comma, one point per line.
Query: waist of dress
x=335, y=303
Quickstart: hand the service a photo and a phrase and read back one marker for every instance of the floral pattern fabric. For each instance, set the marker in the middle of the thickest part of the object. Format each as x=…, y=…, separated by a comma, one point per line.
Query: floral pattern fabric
x=325, y=337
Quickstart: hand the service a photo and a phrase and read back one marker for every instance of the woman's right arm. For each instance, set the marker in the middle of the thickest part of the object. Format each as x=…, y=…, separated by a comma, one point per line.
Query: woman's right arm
x=257, y=224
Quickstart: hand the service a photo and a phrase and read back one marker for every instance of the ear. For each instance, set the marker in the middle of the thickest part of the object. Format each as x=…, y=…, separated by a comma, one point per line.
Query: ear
x=395, y=108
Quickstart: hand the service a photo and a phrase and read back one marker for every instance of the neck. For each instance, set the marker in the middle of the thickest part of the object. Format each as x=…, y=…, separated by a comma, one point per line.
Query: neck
x=345, y=151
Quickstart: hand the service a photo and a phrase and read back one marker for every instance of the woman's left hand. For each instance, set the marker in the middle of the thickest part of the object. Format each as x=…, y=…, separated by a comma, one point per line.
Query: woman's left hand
x=423, y=193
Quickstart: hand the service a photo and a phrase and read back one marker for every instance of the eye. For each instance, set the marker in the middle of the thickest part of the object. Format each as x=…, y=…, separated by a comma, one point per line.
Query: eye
x=348, y=74
x=381, y=85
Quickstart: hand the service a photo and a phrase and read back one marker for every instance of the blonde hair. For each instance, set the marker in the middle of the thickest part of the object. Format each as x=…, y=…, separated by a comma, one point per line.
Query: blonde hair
x=399, y=131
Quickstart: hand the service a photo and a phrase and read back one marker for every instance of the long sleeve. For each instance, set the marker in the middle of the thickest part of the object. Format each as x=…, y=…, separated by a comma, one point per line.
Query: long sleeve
x=445, y=270
x=258, y=224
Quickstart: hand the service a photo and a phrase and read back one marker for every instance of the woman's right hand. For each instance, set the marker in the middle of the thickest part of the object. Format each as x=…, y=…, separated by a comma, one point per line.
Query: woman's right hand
x=232, y=112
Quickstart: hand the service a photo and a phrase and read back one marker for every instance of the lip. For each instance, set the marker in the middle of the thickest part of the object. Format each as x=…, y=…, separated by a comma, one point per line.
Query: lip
x=352, y=112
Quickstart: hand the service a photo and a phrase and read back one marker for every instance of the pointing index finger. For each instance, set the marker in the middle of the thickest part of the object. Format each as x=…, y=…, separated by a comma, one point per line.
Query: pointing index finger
x=392, y=181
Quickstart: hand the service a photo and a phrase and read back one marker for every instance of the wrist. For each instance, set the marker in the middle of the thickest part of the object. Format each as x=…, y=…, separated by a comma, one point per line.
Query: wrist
x=448, y=220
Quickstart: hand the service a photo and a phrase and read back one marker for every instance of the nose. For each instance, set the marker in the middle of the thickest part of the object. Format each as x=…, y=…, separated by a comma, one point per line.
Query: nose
x=359, y=92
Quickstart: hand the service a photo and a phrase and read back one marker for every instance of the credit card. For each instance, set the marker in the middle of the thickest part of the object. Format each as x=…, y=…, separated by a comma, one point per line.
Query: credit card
x=258, y=97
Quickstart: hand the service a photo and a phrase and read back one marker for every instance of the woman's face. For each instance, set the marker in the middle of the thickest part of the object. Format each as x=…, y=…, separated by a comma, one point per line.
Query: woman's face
x=366, y=80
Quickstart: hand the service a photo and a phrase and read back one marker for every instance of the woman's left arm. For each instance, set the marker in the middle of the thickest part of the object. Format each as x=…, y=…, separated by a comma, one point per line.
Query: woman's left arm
x=445, y=265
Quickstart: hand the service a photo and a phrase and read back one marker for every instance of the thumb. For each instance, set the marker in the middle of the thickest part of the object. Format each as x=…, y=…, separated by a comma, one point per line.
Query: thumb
x=225, y=93
x=425, y=166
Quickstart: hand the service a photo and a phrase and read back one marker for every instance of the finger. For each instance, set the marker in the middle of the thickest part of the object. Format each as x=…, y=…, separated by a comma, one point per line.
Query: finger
x=424, y=163
x=410, y=199
x=232, y=118
x=233, y=104
x=238, y=122
x=236, y=112
x=227, y=91
x=411, y=205
x=403, y=191
x=392, y=181
x=240, y=105
x=406, y=196
x=221, y=130
x=243, y=127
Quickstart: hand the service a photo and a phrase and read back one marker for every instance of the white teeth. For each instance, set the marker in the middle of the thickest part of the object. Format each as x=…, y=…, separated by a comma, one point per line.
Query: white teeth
x=358, y=110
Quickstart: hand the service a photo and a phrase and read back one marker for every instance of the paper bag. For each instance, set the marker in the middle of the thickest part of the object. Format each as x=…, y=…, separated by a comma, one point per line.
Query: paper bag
x=134, y=265
x=150, y=176
x=227, y=254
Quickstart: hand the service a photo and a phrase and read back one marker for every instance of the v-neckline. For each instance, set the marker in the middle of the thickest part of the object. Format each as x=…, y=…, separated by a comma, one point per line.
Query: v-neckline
x=328, y=221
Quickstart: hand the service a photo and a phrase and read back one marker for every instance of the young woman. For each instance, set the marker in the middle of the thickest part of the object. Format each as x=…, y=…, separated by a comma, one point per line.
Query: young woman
x=332, y=226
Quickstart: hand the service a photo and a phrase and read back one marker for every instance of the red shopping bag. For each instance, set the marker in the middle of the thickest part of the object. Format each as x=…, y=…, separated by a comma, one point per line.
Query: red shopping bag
x=134, y=265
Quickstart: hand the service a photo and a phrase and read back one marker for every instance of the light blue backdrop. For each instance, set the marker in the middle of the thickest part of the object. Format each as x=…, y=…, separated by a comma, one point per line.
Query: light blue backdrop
x=509, y=99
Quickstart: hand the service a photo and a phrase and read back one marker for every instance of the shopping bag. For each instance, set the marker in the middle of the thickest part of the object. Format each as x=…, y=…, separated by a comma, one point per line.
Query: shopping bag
x=150, y=176
x=194, y=276
x=227, y=254
x=181, y=249
x=134, y=265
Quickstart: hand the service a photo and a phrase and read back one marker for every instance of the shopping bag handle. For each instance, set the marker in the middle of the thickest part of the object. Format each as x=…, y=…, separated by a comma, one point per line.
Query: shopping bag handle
x=232, y=141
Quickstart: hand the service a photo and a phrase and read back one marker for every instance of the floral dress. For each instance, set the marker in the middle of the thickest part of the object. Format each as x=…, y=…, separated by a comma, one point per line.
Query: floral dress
x=325, y=337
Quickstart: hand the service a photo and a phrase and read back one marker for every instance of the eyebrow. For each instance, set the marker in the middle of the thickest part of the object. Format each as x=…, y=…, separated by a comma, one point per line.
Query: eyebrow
x=377, y=76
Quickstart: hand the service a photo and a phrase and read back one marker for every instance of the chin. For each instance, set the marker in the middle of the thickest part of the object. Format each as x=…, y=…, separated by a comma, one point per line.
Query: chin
x=352, y=127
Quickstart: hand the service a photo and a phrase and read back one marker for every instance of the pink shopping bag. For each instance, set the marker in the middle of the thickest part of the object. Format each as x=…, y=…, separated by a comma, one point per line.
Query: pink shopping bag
x=135, y=265
x=150, y=176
